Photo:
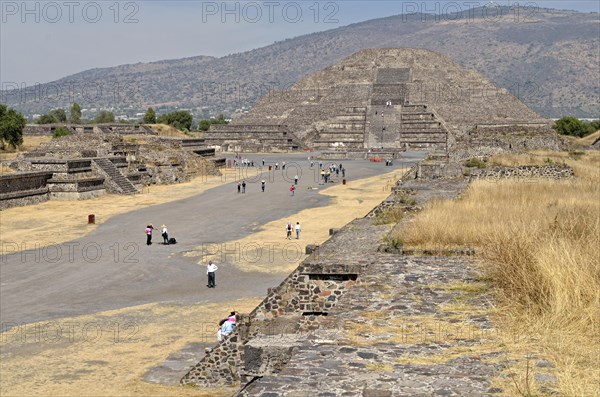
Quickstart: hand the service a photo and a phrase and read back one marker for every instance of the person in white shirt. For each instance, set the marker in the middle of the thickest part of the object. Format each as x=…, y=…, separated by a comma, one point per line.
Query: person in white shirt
x=297, y=230
x=211, y=268
x=165, y=234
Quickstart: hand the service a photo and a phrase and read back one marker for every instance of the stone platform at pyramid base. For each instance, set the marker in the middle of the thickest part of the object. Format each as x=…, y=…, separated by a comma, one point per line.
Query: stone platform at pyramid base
x=363, y=154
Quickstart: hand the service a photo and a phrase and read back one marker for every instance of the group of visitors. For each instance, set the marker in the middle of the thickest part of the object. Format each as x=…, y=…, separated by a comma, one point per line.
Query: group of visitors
x=238, y=160
x=241, y=187
x=282, y=165
x=164, y=233
x=289, y=228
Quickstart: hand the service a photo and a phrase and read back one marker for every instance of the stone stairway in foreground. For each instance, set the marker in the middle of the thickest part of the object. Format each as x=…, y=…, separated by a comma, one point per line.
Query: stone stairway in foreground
x=115, y=179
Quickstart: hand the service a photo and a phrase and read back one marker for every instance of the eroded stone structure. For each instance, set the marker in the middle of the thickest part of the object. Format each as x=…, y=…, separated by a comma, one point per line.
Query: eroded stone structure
x=82, y=166
x=382, y=98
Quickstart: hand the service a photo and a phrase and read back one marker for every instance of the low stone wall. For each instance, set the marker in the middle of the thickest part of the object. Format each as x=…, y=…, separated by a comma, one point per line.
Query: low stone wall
x=23, y=189
x=551, y=171
x=482, y=145
x=343, y=155
x=75, y=185
x=48, y=129
x=77, y=195
x=219, y=367
x=431, y=170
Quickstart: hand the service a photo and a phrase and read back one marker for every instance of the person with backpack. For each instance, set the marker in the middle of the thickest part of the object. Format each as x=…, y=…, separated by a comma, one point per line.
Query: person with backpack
x=288, y=229
x=165, y=234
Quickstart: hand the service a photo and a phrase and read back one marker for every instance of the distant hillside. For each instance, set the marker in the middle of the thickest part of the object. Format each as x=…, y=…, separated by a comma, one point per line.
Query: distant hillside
x=549, y=59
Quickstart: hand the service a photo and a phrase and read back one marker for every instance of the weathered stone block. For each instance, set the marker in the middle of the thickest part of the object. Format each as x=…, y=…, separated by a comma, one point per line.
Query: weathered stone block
x=265, y=355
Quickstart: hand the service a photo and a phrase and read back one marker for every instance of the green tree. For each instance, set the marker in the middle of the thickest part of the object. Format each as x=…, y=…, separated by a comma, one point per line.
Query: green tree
x=59, y=114
x=75, y=113
x=204, y=125
x=61, y=131
x=150, y=116
x=105, y=117
x=47, y=119
x=572, y=126
x=181, y=120
x=12, y=124
x=53, y=116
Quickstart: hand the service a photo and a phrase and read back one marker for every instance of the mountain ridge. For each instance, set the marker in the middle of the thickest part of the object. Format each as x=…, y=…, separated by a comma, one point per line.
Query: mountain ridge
x=549, y=64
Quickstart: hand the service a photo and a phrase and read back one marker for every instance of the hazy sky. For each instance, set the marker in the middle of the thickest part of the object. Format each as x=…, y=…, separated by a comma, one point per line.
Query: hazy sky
x=41, y=41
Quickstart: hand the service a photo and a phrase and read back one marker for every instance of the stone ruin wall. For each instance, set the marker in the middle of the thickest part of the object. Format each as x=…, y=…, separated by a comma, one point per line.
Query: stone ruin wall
x=292, y=308
x=490, y=140
x=74, y=176
x=23, y=189
x=48, y=129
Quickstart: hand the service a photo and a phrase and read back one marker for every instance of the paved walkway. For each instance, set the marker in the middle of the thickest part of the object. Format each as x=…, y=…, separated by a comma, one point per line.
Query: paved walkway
x=112, y=267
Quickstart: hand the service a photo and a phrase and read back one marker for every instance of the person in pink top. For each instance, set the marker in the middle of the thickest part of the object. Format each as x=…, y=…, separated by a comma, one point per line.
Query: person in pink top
x=149, y=229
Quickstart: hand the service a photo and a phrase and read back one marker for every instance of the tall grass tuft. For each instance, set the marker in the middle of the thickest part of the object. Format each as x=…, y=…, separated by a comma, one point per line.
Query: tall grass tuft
x=539, y=242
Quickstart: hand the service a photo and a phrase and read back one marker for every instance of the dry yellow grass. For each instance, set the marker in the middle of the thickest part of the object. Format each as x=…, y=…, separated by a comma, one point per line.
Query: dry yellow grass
x=29, y=143
x=167, y=130
x=539, y=241
x=108, y=363
x=588, y=140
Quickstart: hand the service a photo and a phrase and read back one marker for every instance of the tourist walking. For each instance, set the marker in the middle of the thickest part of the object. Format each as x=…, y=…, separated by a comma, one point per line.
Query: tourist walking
x=262, y=185
x=239, y=187
x=243, y=186
x=165, y=234
x=149, y=229
x=288, y=230
x=296, y=180
x=292, y=190
x=263, y=162
x=297, y=230
x=211, y=268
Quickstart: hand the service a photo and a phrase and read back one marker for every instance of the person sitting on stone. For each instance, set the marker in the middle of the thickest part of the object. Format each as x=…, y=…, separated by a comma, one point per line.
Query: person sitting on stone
x=227, y=327
x=233, y=316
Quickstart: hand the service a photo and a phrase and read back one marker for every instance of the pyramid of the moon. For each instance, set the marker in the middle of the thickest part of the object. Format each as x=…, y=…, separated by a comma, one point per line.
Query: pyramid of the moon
x=392, y=98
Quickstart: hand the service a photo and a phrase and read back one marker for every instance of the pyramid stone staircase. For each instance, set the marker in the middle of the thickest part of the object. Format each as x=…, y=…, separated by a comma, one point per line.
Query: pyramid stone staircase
x=252, y=137
x=345, y=130
x=115, y=180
